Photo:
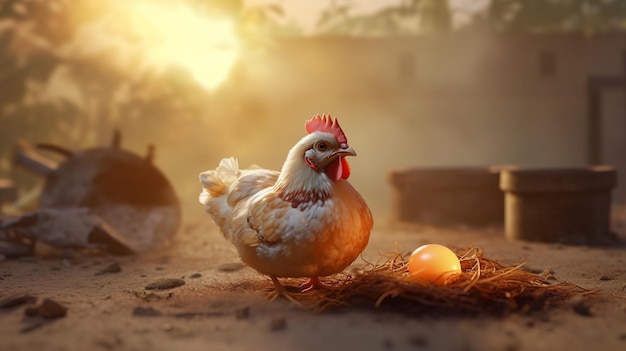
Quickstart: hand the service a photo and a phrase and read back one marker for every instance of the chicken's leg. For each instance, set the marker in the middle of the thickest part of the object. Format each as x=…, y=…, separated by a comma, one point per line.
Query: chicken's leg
x=313, y=283
x=280, y=291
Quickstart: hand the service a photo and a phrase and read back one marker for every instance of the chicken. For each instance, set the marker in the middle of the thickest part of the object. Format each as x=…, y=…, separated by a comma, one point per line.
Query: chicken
x=304, y=221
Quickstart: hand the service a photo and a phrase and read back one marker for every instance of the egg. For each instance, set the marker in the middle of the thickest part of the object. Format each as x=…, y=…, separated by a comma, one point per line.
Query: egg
x=434, y=263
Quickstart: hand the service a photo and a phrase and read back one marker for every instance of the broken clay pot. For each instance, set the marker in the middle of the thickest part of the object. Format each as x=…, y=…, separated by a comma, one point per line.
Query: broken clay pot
x=123, y=189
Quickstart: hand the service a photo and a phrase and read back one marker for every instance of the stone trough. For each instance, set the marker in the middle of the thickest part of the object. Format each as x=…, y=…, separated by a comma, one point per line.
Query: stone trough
x=565, y=205
x=448, y=196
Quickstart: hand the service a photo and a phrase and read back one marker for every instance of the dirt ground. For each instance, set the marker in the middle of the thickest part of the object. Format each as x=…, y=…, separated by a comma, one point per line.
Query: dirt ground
x=218, y=307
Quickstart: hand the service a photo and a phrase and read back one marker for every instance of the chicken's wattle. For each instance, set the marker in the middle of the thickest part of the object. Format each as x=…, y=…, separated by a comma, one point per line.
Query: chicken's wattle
x=338, y=169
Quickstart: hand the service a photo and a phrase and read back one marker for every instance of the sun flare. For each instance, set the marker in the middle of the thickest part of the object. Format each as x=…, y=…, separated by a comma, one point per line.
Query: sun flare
x=174, y=34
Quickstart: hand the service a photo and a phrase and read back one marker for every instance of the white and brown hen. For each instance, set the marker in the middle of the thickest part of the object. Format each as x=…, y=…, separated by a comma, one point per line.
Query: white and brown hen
x=304, y=221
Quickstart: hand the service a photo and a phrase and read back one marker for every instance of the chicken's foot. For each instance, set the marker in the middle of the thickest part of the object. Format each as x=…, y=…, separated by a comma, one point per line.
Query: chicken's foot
x=281, y=291
x=311, y=284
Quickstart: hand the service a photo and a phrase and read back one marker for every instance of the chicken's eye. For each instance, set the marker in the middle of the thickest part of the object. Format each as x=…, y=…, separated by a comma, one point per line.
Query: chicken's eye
x=321, y=146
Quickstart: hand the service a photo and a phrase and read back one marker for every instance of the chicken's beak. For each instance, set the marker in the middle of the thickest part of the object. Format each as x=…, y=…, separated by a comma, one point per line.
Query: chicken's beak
x=347, y=151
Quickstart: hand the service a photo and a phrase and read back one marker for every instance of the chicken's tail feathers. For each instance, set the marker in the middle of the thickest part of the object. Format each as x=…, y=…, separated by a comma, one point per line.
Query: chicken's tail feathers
x=216, y=182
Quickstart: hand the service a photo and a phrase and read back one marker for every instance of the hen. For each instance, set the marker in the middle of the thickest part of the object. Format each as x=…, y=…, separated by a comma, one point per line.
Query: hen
x=304, y=221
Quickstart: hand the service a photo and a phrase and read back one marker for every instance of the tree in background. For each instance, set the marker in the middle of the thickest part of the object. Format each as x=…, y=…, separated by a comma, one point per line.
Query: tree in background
x=540, y=16
x=408, y=17
x=426, y=17
x=70, y=77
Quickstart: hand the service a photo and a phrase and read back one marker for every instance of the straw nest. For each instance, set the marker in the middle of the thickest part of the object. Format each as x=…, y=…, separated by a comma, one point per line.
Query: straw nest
x=484, y=286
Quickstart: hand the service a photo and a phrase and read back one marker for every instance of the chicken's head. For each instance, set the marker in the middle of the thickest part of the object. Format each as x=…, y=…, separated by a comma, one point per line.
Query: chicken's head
x=327, y=147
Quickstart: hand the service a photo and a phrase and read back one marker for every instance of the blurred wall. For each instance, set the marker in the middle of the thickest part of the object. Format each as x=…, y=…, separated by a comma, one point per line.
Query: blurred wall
x=427, y=101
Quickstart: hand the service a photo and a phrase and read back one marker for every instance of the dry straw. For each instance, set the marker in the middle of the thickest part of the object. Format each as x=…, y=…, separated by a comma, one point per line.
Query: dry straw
x=484, y=286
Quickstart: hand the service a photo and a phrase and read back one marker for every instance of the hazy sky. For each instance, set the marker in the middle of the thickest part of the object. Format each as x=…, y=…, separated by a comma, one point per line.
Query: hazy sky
x=306, y=12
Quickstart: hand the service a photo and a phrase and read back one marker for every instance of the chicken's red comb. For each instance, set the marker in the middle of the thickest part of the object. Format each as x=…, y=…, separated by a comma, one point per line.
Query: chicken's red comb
x=326, y=124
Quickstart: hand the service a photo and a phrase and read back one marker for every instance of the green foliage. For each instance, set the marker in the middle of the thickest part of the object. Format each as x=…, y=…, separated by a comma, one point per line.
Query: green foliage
x=409, y=17
x=424, y=17
x=540, y=16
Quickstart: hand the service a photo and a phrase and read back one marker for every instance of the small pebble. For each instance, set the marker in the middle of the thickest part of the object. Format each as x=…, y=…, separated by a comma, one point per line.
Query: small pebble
x=145, y=312
x=166, y=283
x=582, y=308
x=195, y=276
x=242, y=313
x=606, y=277
x=32, y=327
x=47, y=309
x=17, y=300
x=278, y=324
x=230, y=267
x=112, y=268
x=418, y=341
x=52, y=309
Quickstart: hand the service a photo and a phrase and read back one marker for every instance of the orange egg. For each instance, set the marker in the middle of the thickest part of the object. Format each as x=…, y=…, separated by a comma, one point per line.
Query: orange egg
x=434, y=263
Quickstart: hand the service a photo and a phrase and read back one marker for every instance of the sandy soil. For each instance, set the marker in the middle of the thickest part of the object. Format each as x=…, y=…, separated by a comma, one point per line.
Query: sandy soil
x=218, y=308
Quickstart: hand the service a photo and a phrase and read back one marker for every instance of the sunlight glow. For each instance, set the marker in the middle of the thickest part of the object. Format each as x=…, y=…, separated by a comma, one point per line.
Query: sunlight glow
x=172, y=33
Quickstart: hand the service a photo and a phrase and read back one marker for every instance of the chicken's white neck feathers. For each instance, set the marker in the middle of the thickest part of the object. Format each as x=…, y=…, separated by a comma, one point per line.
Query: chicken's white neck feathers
x=299, y=183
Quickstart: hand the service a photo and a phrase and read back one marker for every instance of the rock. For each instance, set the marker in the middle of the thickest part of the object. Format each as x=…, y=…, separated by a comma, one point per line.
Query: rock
x=112, y=268
x=52, y=309
x=166, y=283
x=47, y=309
x=17, y=300
x=195, y=276
x=242, y=313
x=230, y=267
x=145, y=312
x=278, y=324
x=581, y=307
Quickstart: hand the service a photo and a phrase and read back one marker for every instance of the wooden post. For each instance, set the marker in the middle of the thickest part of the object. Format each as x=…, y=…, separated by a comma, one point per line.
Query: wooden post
x=594, y=111
x=595, y=86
